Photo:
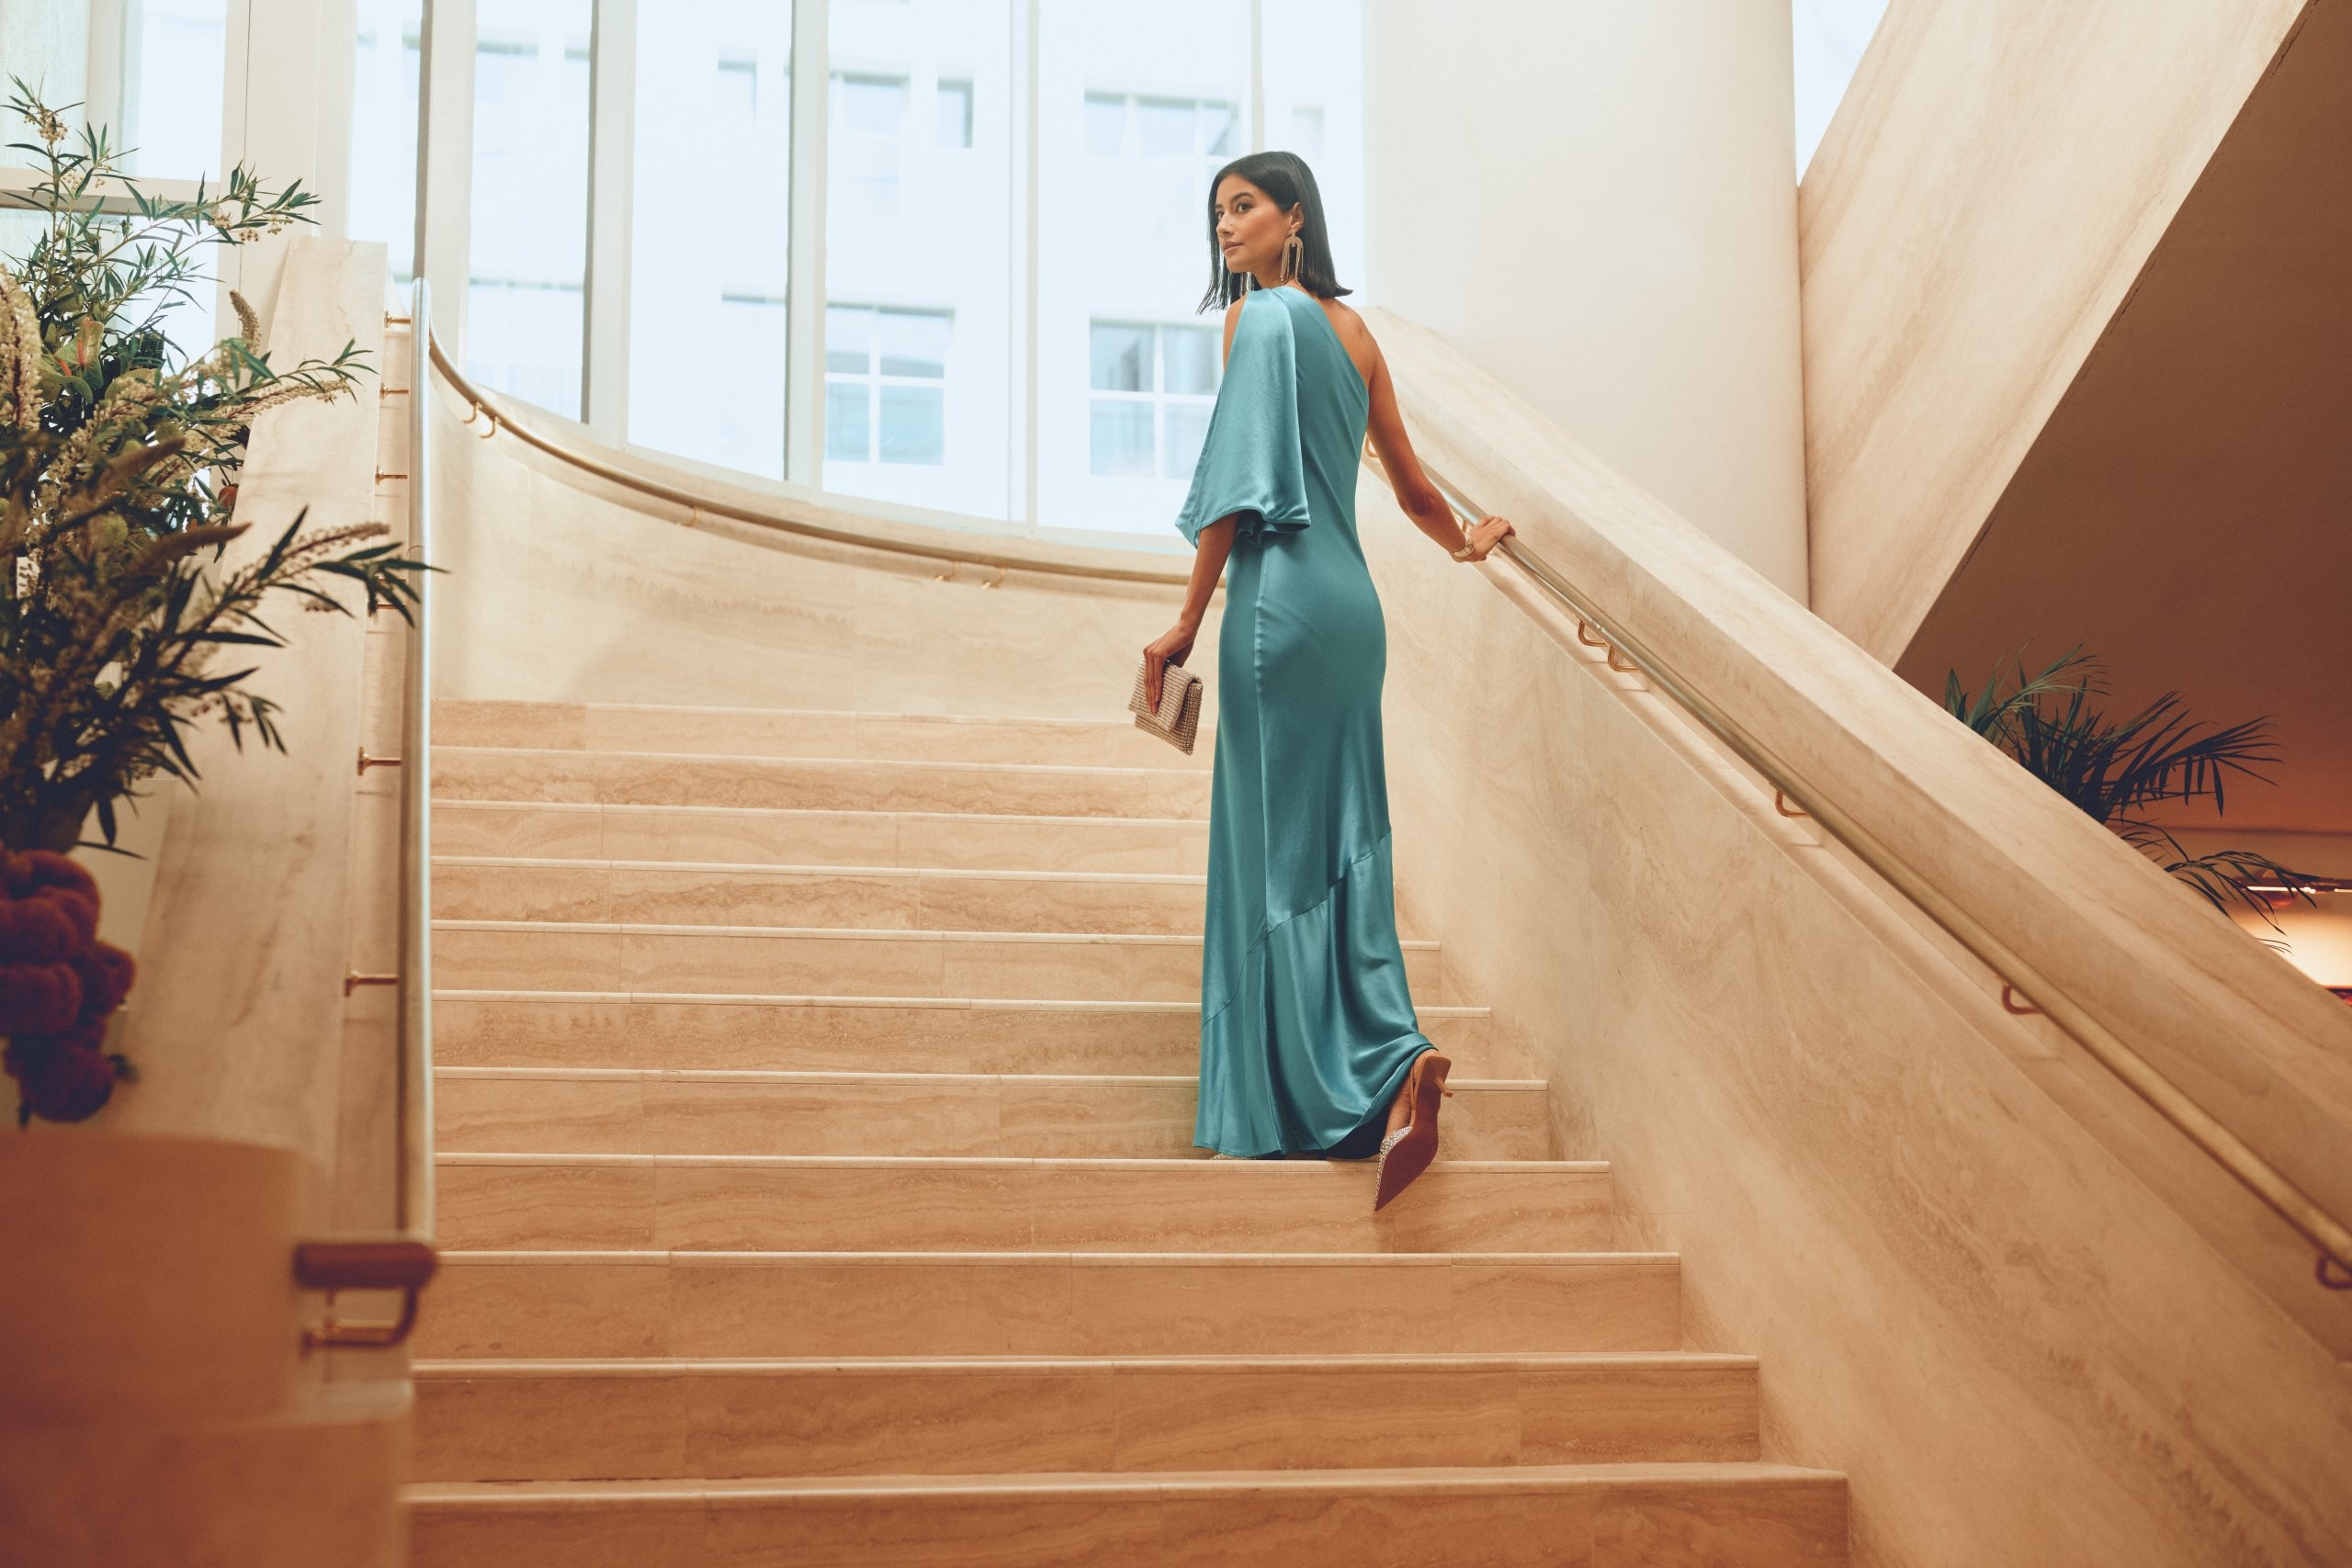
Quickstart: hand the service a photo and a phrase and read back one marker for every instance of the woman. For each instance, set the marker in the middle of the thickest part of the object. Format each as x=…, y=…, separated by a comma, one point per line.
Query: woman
x=1309, y=1044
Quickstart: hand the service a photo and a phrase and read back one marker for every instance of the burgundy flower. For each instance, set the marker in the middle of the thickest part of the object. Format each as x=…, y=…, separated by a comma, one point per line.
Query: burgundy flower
x=48, y=909
x=105, y=972
x=64, y=1076
x=38, y=998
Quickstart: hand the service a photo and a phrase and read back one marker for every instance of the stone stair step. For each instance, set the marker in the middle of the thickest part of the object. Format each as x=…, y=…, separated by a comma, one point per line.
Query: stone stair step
x=655, y=1112
x=560, y=1420
x=763, y=960
x=922, y=1034
x=811, y=1202
x=831, y=784
x=805, y=732
x=639, y=1304
x=756, y=835
x=1694, y=1516
x=875, y=898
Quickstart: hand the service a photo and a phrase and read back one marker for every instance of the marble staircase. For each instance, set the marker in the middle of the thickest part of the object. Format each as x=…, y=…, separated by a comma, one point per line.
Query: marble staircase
x=817, y=1187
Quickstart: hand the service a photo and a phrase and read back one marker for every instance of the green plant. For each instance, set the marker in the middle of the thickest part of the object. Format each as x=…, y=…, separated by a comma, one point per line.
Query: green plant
x=2109, y=768
x=119, y=456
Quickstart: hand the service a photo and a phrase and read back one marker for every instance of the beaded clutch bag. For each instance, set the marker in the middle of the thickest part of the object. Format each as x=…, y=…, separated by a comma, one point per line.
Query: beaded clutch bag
x=1179, y=718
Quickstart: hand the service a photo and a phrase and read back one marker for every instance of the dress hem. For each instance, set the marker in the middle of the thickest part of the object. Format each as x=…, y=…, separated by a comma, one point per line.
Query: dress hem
x=1330, y=892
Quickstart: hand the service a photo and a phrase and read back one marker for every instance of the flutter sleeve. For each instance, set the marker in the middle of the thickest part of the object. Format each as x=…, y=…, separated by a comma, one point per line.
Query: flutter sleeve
x=1250, y=468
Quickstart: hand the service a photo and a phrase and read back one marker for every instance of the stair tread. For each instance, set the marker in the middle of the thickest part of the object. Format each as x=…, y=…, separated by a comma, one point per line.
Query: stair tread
x=706, y=1366
x=1241, y=1483
x=744, y=998
x=1003, y=1162
x=877, y=933
x=449, y=802
x=766, y=760
x=1008, y=1255
x=837, y=1075
x=702, y=710
x=769, y=868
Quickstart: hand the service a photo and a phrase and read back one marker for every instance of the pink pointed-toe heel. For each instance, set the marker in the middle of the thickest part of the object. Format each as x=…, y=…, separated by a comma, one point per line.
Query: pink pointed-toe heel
x=1407, y=1152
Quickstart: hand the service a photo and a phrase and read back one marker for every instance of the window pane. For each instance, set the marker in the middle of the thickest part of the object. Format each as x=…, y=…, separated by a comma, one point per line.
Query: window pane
x=872, y=106
x=1106, y=124
x=710, y=242
x=847, y=435
x=736, y=106
x=745, y=403
x=849, y=338
x=530, y=196
x=914, y=343
x=1187, y=425
x=1165, y=124
x=914, y=424
x=1218, y=122
x=1189, y=359
x=383, y=130
x=1122, y=357
x=861, y=173
x=954, y=114
x=1121, y=438
x=1306, y=132
x=920, y=234
x=525, y=339
x=1122, y=237
x=174, y=72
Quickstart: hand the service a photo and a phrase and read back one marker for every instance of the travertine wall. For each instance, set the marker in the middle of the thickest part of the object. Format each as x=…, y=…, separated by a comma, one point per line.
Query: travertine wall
x=563, y=586
x=1596, y=201
x=1980, y=1280
x=239, y=1006
x=1979, y=210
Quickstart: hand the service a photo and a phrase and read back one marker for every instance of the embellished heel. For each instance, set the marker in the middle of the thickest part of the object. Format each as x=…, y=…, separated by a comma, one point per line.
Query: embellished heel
x=1408, y=1151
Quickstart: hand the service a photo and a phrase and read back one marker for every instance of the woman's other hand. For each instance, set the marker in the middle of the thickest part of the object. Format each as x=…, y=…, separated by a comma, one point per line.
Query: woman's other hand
x=1484, y=534
x=1168, y=647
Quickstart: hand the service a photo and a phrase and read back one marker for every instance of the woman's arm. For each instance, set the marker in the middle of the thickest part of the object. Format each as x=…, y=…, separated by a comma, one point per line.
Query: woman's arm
x=1172, y=645
x=1421, y=500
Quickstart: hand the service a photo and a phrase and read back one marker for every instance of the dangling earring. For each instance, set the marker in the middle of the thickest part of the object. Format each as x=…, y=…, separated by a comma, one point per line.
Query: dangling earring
x=1294, y=258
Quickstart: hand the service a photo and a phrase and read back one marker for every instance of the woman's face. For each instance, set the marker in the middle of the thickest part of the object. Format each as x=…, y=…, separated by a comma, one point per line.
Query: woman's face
x=1250, y=228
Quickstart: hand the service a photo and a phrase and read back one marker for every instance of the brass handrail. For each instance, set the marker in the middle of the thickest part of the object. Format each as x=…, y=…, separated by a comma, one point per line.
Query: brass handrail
x=404, y=1260
x=779, y=517
x=2329, y=1236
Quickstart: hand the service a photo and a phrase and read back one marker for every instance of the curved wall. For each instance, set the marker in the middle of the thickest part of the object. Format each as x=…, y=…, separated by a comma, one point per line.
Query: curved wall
x=566, y=587
x=1593, y=201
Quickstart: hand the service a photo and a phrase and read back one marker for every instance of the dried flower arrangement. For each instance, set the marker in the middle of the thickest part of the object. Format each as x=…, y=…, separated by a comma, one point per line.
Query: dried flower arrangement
x=118, y=458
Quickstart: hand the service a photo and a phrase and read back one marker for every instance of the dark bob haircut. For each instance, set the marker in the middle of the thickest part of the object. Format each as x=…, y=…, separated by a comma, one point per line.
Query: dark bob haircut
x=1285, y=177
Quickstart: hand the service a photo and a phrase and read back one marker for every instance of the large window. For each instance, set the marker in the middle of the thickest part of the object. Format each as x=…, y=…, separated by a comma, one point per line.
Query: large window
x=383, y=130
x=1009, y=222
x=1152, y=387
x=1138, y=106
x=921, y=407
x=524, y=329
x=710, y=231
x=173, y=69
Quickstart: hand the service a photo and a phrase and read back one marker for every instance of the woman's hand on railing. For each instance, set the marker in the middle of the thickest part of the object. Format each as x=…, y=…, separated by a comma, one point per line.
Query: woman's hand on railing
x=1168, y=647
x=1480, y=537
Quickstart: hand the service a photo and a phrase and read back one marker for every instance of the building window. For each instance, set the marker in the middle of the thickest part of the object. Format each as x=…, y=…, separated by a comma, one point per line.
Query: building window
x=869, y=116
x=1153, y=386
x=1120, y=125
x=885, y=384
x=954, y=113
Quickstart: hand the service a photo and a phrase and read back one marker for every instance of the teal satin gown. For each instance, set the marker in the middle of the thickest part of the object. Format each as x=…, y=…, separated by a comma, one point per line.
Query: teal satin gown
x=1307, y=1027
